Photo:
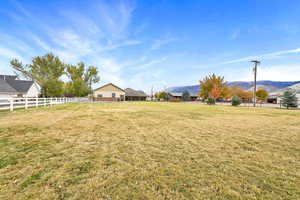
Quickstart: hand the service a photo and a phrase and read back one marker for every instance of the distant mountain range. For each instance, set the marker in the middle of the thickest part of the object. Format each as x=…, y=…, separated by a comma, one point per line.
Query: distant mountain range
x=270, y=86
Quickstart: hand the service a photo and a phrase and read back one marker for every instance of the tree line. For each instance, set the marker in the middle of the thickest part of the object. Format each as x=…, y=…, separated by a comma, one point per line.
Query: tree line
x=214, y=88
x=48, y=71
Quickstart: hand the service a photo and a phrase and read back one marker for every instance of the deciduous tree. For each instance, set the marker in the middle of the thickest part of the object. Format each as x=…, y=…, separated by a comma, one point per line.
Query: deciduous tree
x=213, y=86
x=45, y=70
x=262, y=94
x=81, y=79
x=244, y=95
x=162, y=95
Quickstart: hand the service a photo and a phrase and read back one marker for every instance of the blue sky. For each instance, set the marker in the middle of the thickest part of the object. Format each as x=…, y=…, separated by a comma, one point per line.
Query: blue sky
x=141, y=44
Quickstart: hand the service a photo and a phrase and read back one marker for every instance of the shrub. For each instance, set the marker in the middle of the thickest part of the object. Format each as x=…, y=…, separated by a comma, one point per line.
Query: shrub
x=236, y=101
x=211, y=101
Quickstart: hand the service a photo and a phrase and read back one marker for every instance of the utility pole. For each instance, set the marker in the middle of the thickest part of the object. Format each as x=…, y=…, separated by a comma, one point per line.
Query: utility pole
x=256, y=62
x=152, y=93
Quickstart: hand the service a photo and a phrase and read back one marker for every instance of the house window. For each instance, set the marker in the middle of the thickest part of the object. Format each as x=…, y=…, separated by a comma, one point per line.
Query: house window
x=113, y=95
x=99, y=96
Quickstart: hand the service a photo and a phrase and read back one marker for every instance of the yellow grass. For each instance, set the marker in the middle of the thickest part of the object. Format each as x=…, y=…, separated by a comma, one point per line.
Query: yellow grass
x=149, y=151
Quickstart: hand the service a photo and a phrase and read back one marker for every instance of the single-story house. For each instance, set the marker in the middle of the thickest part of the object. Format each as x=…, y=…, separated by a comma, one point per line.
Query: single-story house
x=135, y=95
x=276, y=97
x=177, y=96
x=109, y=92
x=11, y=86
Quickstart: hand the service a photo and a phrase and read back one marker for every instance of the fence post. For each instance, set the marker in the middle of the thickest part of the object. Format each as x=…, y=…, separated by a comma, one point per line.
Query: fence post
x=26, y=102
x=45, y=102
x=11, y=104
x=36, y=102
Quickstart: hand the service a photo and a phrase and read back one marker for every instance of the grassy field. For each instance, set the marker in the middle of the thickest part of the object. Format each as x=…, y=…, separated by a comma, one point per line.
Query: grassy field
x=149, y=151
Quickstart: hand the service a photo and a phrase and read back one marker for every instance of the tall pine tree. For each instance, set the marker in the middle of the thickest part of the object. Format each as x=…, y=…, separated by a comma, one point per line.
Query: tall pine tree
x=289, y=99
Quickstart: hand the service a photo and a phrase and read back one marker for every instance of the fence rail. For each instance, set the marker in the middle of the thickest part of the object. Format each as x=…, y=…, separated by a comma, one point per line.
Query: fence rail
x=14, y=103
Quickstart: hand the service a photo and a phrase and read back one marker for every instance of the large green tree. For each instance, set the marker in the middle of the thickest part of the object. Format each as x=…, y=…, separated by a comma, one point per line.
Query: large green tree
x=213, y=86
x=45, y=70
x=81, y=79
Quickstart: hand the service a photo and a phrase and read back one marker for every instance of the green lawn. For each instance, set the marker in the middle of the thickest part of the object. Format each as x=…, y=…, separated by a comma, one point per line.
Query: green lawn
x=149, y=151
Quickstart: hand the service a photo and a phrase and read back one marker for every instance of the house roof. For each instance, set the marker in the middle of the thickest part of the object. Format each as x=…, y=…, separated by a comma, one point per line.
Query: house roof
x=135, y=93
x=8, y=77
x=179, y=94
x=9, y=84
x=6, y=88
x=107, y=85
x=20, y=85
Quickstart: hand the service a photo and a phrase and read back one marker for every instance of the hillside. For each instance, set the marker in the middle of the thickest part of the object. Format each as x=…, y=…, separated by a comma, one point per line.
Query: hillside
x=271, y=86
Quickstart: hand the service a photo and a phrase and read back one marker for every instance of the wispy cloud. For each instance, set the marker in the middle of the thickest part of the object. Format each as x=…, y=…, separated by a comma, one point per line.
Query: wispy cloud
x=272, y=72
x=235, y=34
x=149, y=63
x=8, y=53
x=145, y=80
x=120, y=44
x=89, y=37
x=263, y=56
x=161, y=42
x=116, y=19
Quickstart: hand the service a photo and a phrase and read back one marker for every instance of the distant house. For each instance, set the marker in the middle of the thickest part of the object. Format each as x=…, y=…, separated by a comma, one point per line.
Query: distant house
x=276, y=97
x=109, y=92
x=177, y=96
x=11, y=86
x=135, y=95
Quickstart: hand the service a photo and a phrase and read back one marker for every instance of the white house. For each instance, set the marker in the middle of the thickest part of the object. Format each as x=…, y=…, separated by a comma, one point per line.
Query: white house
x=11, y=86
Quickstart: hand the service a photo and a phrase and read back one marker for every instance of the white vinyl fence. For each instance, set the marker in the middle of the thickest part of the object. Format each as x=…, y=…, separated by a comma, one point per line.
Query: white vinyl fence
x=14, y=103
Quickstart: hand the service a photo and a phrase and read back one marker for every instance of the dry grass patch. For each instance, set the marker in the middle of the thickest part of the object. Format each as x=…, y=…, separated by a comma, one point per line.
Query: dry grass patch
x=149, y=151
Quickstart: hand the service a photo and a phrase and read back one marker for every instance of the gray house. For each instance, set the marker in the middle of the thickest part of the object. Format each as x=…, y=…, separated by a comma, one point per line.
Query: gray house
x=11, y=86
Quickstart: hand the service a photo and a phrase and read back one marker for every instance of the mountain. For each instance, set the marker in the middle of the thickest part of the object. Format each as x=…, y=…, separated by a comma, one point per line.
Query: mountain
x=270, y=86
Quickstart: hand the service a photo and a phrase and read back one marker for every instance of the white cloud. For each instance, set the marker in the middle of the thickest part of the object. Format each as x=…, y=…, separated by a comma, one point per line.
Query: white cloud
x=19, y=45
x=89, y=38
x=41, y=43
x=263, y=56
x=150, y=63
x=116, y=19
x=277, y=73
x=110, y=70
x=145, y=80
x=161, y=42
x=10, y=54
x=120, y=44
